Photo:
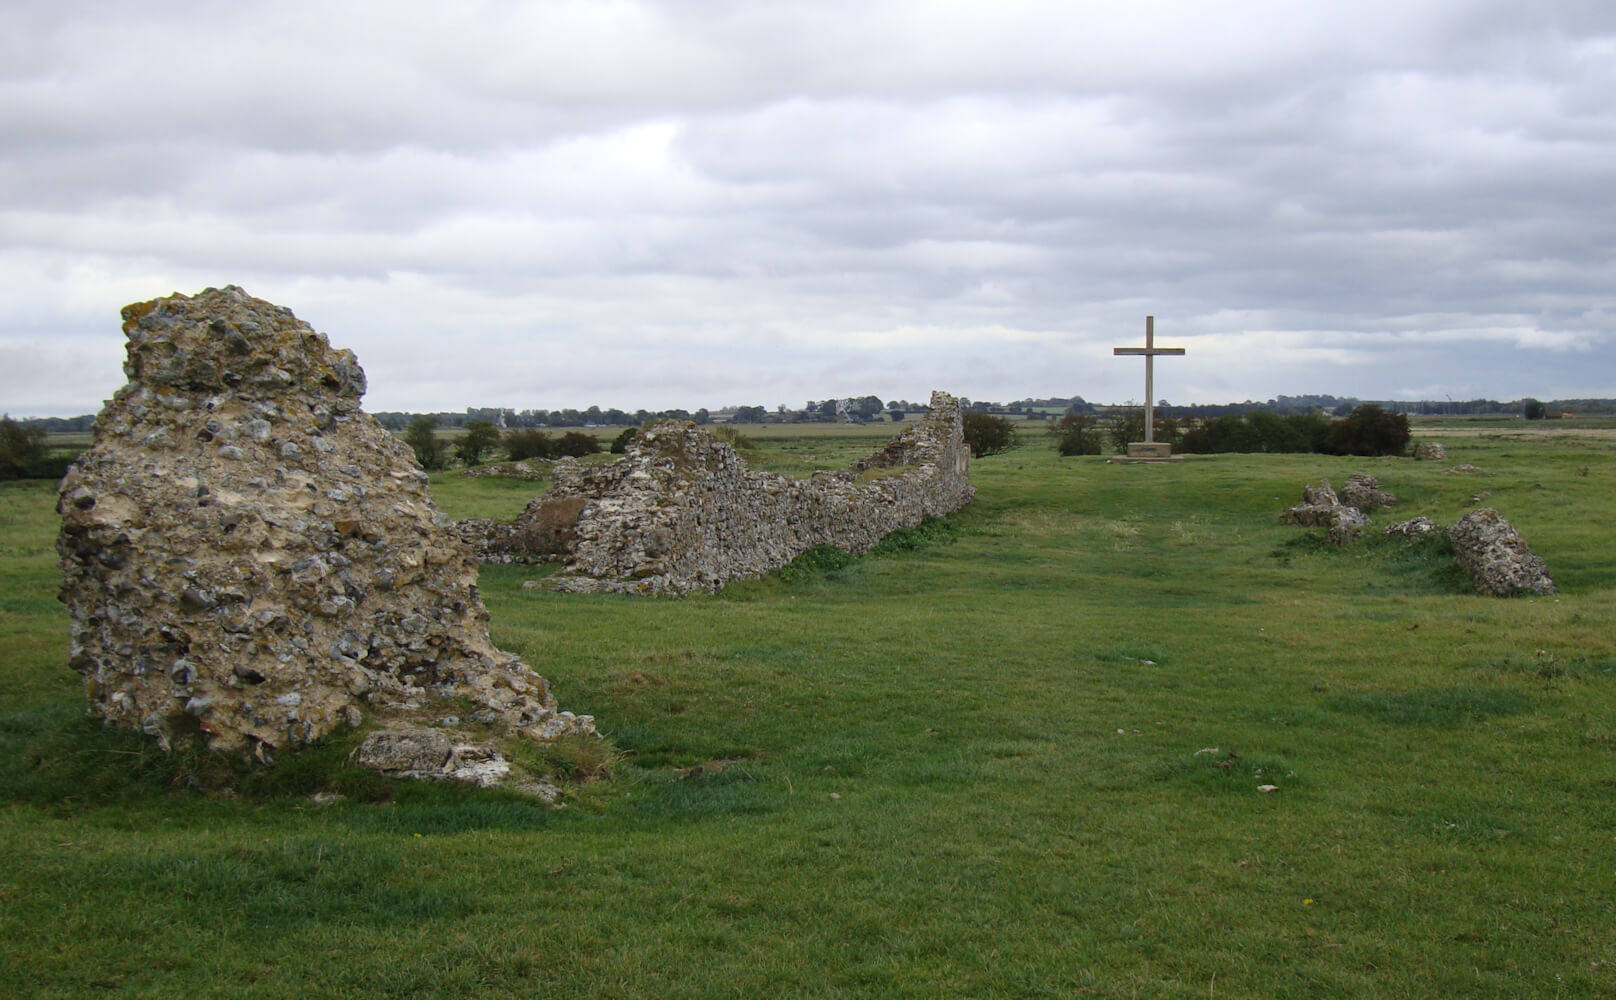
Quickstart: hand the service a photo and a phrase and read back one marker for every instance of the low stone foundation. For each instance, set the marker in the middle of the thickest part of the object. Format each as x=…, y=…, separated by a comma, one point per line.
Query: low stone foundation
x=681, y=512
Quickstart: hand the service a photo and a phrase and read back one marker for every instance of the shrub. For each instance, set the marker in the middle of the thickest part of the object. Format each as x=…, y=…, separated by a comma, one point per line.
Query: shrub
x=1125, y=424
x=1534, y=409
x=1079, y=434
x=734, y=438
x=620, y=442
x=1258, y=431
x=480, y=436
x=988, y=435
x=23, y=453
x=576, y=444
x=422, y=438
x=1369, y=430
x=528, y=443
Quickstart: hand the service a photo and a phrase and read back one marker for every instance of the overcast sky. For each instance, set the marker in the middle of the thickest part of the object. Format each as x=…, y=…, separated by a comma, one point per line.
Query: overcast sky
x=706, y=203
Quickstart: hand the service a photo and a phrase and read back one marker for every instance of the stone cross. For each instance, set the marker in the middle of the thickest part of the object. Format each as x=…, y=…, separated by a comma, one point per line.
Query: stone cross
x=1150, y=350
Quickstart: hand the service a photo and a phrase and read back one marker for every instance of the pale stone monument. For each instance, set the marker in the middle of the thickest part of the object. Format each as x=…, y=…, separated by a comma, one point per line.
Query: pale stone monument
x=1149, y=449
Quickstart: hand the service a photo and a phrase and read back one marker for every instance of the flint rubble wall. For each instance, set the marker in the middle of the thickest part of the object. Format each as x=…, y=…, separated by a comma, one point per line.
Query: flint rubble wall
x=681, y=512
x=248, y=554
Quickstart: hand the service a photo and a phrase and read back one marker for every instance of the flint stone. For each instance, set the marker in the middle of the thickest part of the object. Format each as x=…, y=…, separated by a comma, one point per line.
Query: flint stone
x=1495, y=556
x=1413, y=527
x=214, y=580
x=1362, y=491
x=1321, y=508
x=1348, y=526
x=430, y=754
x=681, y=512
x=1430, y=451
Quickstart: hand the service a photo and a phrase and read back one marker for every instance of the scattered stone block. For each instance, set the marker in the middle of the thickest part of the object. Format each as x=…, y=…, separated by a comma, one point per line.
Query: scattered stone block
x=1321, y=508
x=1413, y=527
x=1362, y=490
x=1496, y=558
x=1430, y=451
x=430, y=754
x=246, y=553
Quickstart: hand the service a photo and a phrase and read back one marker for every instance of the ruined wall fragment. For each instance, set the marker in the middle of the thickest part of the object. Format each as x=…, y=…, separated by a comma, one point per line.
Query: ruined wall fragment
x=1320, y=507
x=1496, y=557
x=246, y=553
x=680, y=511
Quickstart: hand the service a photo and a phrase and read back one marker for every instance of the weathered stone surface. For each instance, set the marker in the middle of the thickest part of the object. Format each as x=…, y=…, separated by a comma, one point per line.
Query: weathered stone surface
x=1348, y=526
x=430, y=754
x=246, y=552
x=1320, y=494
x=680, y=511
x=1430, y=451
x=1321, y=508
x=1413, y=527
x=1362, y=490
x=1495, y=556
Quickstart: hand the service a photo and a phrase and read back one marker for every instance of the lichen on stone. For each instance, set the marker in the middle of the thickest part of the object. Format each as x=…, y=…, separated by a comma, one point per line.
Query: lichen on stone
x=248, y=554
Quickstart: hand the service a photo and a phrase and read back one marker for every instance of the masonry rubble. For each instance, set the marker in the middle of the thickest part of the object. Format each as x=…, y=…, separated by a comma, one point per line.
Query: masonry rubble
x=1320, y=507
x=248, y=554
x=1362, y=490
x=1430, y=451
x=681, y=512
x=1413, y=527
x=1495, y=557
x=1489, y=549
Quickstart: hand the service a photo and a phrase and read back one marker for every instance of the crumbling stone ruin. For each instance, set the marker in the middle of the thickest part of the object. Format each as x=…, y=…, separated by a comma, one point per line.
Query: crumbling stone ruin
x=1414, y=527
x=1488, y=548
x=1362, y=490
x=1320, y=507
x=681, y=512
x=1343, y=515
x=248, y=555
x=1430, y=451
x=1496, y=558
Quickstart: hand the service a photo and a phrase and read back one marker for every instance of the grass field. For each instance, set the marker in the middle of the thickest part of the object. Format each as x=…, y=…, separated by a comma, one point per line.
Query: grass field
x=1021, y=759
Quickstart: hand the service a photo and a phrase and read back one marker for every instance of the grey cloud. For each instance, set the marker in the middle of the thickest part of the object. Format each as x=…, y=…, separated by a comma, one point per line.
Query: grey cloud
x=696, y=203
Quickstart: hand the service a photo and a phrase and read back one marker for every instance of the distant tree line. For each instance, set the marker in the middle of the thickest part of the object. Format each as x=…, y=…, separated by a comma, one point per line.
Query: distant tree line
x=1367, y=430
x=483, y=440
x=868, y=408
x=1280, y=424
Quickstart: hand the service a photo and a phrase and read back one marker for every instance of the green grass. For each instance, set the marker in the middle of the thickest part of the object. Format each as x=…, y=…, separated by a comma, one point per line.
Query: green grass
x=1017, y=752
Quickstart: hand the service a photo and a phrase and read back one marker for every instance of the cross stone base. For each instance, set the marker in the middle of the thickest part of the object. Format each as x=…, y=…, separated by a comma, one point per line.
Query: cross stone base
x=1149, y=451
